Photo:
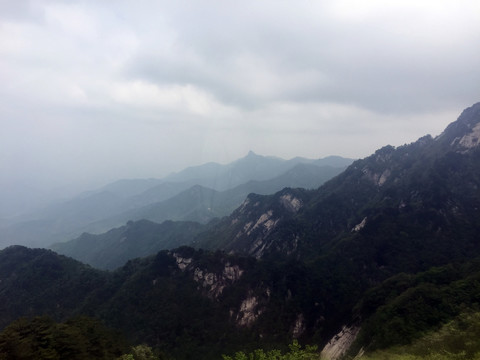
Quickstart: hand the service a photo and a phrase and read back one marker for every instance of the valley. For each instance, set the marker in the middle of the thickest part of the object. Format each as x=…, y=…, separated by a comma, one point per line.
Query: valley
x=381, y=257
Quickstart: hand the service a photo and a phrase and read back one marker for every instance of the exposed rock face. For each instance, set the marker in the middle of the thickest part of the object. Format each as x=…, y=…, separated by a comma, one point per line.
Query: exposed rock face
x=212, y=282
x=299, y=326
x=262, y=223
x=378, y=178
x=258, y=217
x=463, y=134
x=215, y=283
x=340, y=343
x=182, y=262
x=472, y=139
x=360, y=226
x=248, y=312
x=291, y=203
x=242, y=207
x=264, y=220
x=232, y=272
x=258, y=229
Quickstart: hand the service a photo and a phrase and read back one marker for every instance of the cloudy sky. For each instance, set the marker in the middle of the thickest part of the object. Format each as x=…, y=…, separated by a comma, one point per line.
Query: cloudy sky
x=92, y=91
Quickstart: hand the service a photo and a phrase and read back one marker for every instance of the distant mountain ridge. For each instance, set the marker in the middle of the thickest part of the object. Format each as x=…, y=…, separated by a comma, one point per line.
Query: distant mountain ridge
x=136, y=239
x=194, y=204
x=411, y=180
x=100, y=210
x=418, y=183
x=384, y=252
x=251, y=167
x=202, y=204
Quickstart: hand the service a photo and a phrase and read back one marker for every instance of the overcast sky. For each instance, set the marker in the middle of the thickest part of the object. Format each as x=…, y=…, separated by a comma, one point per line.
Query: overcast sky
x=93, y=91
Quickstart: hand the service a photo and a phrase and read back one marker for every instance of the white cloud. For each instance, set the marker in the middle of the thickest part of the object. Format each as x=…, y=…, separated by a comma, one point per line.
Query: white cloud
x=74, y=21
x=177, y=83
x=169, y=98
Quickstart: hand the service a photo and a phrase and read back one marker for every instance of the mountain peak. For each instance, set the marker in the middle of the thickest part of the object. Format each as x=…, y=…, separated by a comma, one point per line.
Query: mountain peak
x=471, y=115
x=464, y=133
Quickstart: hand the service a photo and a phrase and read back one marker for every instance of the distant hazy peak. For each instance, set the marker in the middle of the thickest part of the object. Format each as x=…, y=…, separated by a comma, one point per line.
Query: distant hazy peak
x=253, y=155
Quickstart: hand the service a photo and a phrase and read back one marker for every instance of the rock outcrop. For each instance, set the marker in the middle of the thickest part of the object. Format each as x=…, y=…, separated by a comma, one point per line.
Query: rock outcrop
x=212, y=282
x=340, y=343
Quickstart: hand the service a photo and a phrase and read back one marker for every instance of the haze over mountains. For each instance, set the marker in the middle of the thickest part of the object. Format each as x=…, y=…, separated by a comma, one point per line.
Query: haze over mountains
x=136, y=223
x=378, y=256
x=199, y=193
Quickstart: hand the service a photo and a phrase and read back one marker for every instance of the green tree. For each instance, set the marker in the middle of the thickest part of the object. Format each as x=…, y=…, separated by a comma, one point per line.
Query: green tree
x=296, y=353
x=140, y=352
x=42, y=338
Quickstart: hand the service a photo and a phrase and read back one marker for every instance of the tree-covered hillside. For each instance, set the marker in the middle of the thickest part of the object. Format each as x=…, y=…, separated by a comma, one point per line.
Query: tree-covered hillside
x=41, y=338
x=141, y=238
x=377, y=257
x=198, y=193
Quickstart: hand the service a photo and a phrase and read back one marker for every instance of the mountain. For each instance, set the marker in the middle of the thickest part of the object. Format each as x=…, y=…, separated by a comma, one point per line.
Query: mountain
x=407, y=306
x=421, y=193
x=136, y=239
x=378, y=256
x=130, y=187
x=403, y=209
x=202, y=204
x=186, y=303
x=250, y=167
x=112, y=205
x=195, y=204
x=79, y=338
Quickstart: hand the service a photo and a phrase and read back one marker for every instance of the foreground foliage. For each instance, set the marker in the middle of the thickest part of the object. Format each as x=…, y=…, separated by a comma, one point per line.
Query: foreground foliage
x=140, y=352
x=406, y=306
x=457, y=340
x=76, y=339
x=295, y=353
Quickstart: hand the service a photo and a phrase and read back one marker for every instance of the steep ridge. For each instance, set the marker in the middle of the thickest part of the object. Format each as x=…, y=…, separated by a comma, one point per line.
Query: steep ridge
x=406, y=306
x=249, y=228
x=402, y=209
x=422, y=194
x=318, y=265
x=37, y=282
x=202, y=204
x=251, y=167
x=182, y=302
x=195, y=204
x=136, y=239
x=114, y=204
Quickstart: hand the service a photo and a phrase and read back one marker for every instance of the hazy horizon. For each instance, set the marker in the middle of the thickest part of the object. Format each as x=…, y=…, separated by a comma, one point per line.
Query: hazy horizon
x=95, y=92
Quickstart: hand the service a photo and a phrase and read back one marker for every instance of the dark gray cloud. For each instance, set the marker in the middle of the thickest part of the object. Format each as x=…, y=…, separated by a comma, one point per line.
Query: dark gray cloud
x=385, y=61
x=94, y=91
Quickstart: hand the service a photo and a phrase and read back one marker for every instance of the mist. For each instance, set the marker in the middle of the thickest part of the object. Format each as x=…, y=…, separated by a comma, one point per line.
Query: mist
x=96, y=92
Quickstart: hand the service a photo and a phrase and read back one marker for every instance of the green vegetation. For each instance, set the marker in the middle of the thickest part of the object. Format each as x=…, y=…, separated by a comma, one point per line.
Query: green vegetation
x=140, y=352
x=76, y=339
x=296, y=353
x=457, y=340
x=141, y=238
x=405, y=307
x=390, y=245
